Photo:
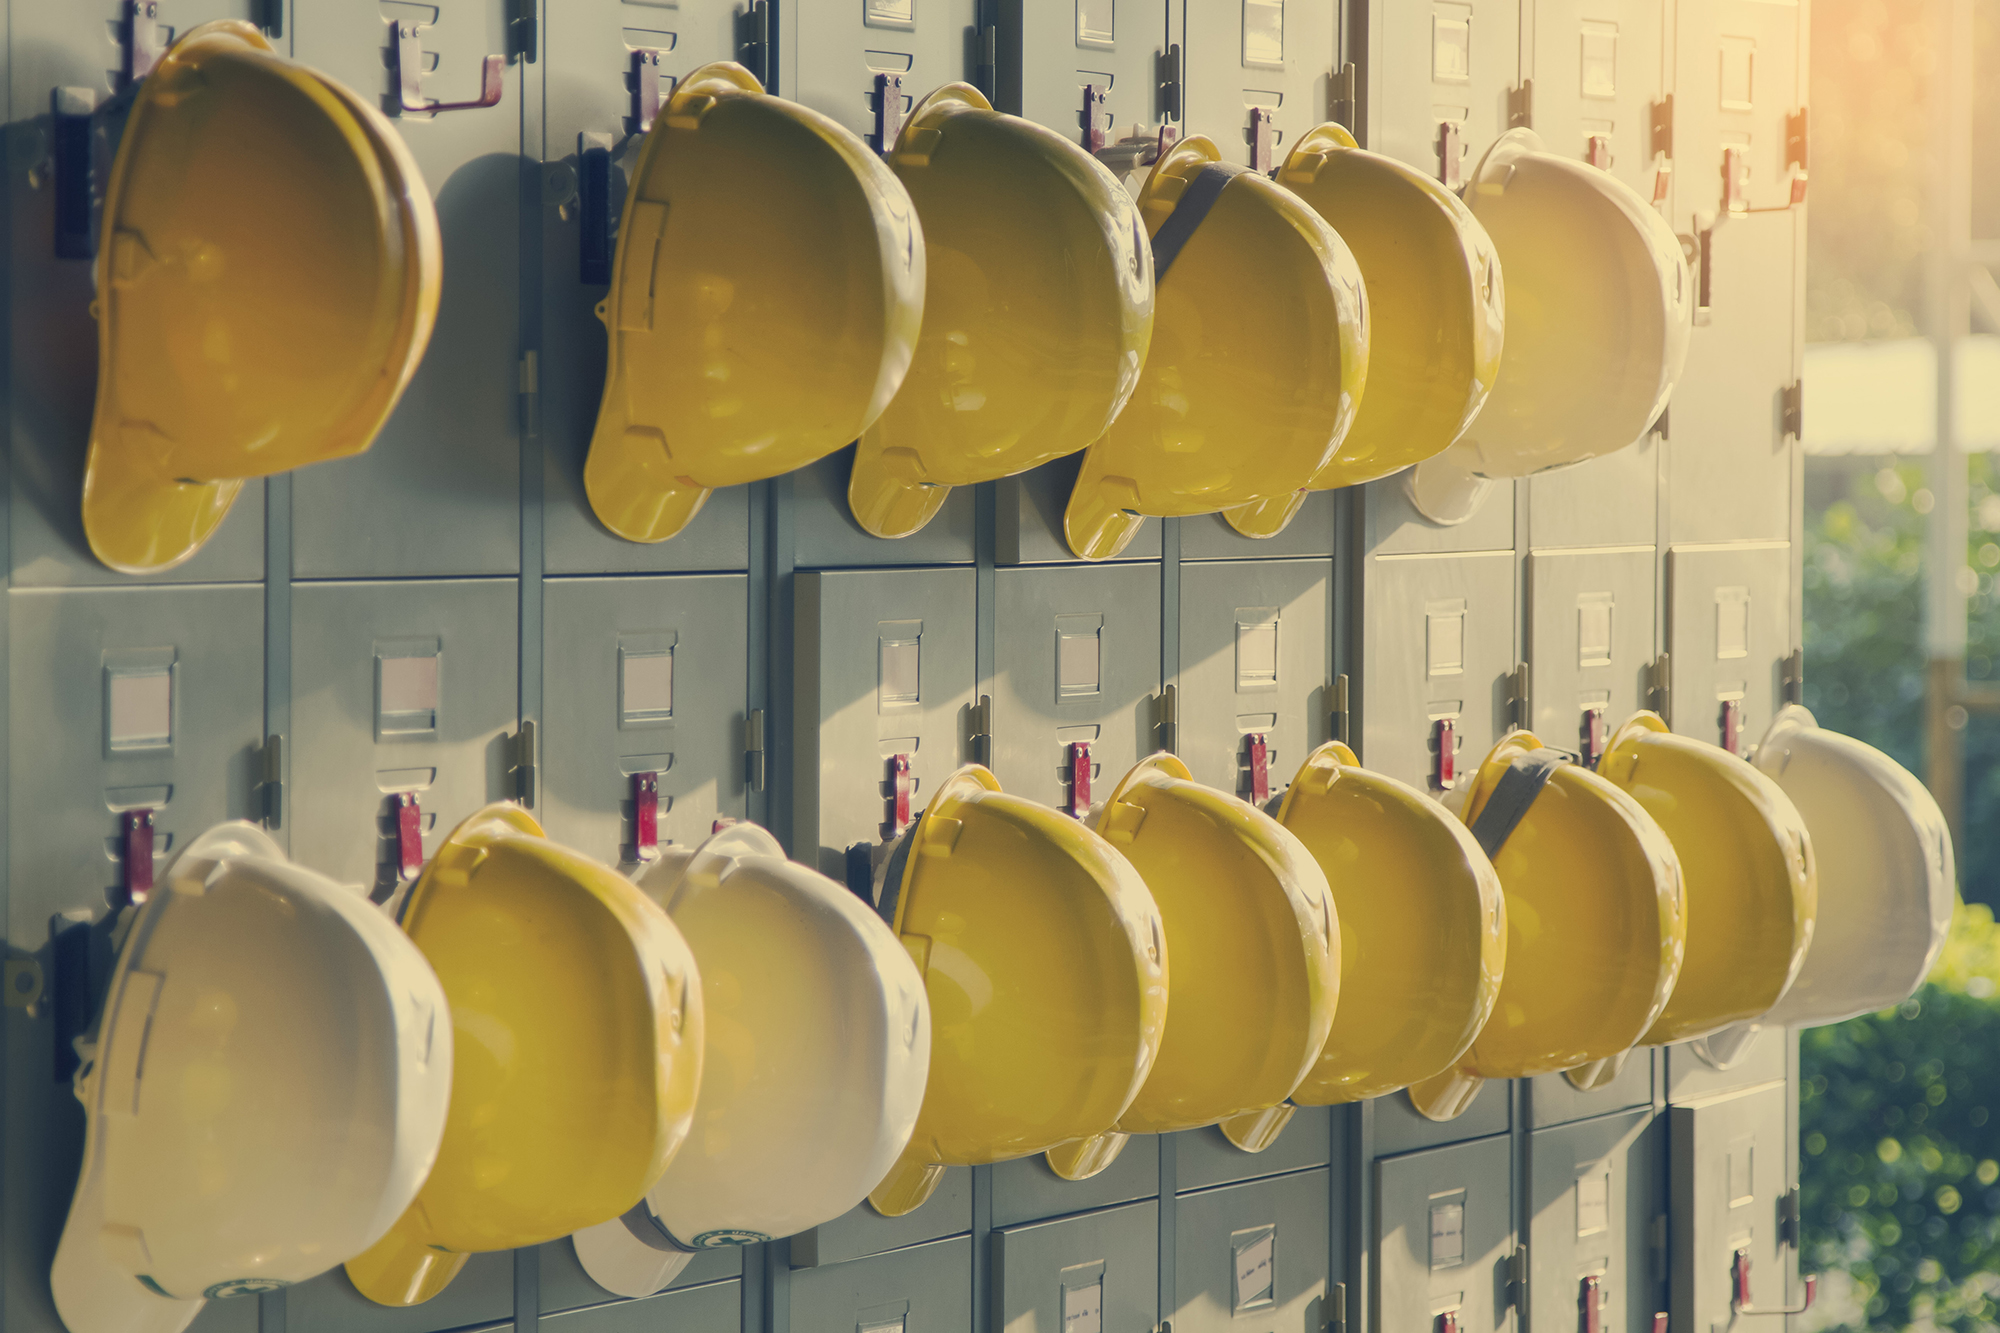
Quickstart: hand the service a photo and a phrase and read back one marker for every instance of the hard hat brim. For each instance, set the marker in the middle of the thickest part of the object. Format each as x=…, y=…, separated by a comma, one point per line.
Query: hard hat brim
x=624, y=1265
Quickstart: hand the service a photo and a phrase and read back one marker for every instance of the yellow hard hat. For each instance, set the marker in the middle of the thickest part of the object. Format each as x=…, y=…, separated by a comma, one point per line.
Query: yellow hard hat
x=1423, y=931
x=1259, y=354
x=1596, y=920
x=764, y=302
x=266, y=285
x=1046, y=964
x=1435, y=299
x=1038, y=307
x=1255, y=947
x=1752, y=890
x=1600, y=308
x=577, y=1026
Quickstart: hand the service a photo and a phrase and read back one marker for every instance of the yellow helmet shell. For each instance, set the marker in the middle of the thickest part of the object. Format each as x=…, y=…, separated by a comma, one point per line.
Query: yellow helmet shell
x=1423, y=927
x=1435, y=300
x=1038, y=307
x=1752, y=888
x=1596, y=922
x=1045, y=960
x=1255, y=946
x=1258, y=360
x=764, y=302
x=577, y=1031
x=266, y=285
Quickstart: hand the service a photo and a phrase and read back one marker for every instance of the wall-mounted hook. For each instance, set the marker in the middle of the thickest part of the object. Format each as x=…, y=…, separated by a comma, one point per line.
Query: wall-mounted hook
x=888, y=112
x=645, y=87
x=410, y=76
x=1096, y=115
x=144, y=38
x=1263, y=139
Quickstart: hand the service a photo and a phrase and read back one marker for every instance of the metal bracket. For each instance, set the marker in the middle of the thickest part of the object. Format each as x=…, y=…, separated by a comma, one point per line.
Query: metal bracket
x=1660, y=140
x=135, y=853
x=271, y=787
x=409, y=814
x=409, y=50
x=1521, y=106
x=526, y=767
x=1444, y=764
x=1263, y=138
x=645, y=72
x=1739, y=1290
x=1590, y=1300
x=753, y=750
x=1597, y=151
x=1078, y=765
x=1259, y=762
x=1343, y=97
x=888, y=112
x=1169, y=732
x=1792, y=409
x=1342, y=721
x=979, y=745
x=1451, y=155
x=1095, y=118
x=1735, y=180
x=144, y=38
x=645, y=816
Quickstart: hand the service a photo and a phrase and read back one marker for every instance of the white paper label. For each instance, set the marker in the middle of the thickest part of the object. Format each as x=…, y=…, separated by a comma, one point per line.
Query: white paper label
x=1083, y=1308
x=1253, y=1271
x=141, y=706
x=1593, y=1204
x=1447, y=1234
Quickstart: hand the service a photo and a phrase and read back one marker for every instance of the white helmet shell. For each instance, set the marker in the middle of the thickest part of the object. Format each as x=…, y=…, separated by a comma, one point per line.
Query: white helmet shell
x=266, y=1096
x=818, y=1051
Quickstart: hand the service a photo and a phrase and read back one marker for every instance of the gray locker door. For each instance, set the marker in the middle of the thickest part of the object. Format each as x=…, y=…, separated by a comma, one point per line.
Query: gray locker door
x=1029, y=510
x=1439, y=656
x=1444, y=1231
x=1690, y=1078
x=1311, y=532
x=1204, y=1157
x=1590, y=640
x=716, y=1307
x=1595, y=1196
x=1083, y=65
x=52, y=384
x=862, y=1231
x=1394, y=527
x=124, y=699
x=1256, y=655
x=482, y=1293
x=1076, y=661
x=1440, y=96
x=440, y=491
x=566, y=1287
x=921, y=1289
x=397, y=687
x=642, y=676
x=1554, y=1100
x=588, y=62
x=1729, y=1175
x=1253, y=1258
x=1257, y=74
x=845, y=52
x=1025, y=1189
x=1729, y=628
x=1094, y=1273
x=883, y=680
x=1400, y=1128
x=1598, y=67
x=824, y=532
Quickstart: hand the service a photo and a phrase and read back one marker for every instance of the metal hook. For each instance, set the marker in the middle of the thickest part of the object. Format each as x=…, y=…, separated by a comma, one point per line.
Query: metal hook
x=410, y=76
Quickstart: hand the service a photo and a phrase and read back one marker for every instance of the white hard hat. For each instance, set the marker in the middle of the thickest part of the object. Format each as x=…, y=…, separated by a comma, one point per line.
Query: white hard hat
x=266, y=1093
x=1600, y=309
x=818, y=1049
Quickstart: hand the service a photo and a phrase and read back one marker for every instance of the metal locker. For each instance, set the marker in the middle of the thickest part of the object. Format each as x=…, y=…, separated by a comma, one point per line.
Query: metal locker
x=643, y=712
x=1733, y=1208
x=1076, y=676
x=1095, y=1273
x=138, y=708
x=1094, y=71
x=1738, y=86
x=1400, y=1128
x=566, y=1287
x=1611, y=500
x=1590, y=644
x=440, y=491
x=1447, y=85
x=1394, y=527
x=1253, y=1257
x=1258, y=74
x=404, y=695
x=1591, y=1243
x=232, y=1316
x=1554, y=1100
x=74, y=55
x=482, y=1293
x=608, y=69
x=921, y=1289
x=1205, y=1157
x=1025, y=1189
x=1255, y=680
x=884, y=684
x=1691, y=1078
x=867, y=64
x=1438, y=664
x=1028, y=525
x=824, y=532
x=1599, y=69
x=1729, y=623
x=1444, y=1234
x=862, y=1231
x=714, y=1307
x=1312, y=531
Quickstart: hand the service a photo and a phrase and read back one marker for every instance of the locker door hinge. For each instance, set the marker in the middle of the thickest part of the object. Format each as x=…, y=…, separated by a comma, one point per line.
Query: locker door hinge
x=1792, y=410
x=1336, y=1300
x=272, y=18
x=979, y=744
x=753, y=750
x=1660, y=141
x=986, y=69
x=531, y=392
x=1792, y=679
x=1660, y=688
x=1788, y=1218
x=271, y=786
x=1521, y=106
x=1343, y=97
x=1795, y=153
x=1170, y=82
x=524, y=31
x=1342, y=721
x=1170, y=720
x=526, y=765
x=1517, y=1278
x=754, y=39
x=1519, y=706
x=1699, y=249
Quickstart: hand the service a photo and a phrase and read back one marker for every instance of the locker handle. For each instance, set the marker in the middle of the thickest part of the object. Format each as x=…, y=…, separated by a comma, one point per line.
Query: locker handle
x=135, y=841
x=645, y=816
x=1596, y=736
x=645, y=87
x=888, y=112
x=1079, y=779
x=1444, y=767
x=1260, y=767
x=1591, y=1300
x=409, y=835
x=410, y=76
x=144, y=38
x=1732, y=726
x=901, y=787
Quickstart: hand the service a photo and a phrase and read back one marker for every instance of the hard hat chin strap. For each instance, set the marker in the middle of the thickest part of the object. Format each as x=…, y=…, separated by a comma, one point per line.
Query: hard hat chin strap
x=646, y=1229
x=1197, y=198
x=1517, y=789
